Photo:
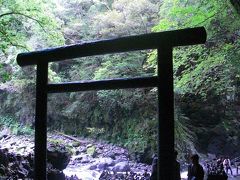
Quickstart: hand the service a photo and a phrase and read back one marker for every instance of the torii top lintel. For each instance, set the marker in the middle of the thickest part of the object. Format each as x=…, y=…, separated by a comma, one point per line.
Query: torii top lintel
x=174, y=38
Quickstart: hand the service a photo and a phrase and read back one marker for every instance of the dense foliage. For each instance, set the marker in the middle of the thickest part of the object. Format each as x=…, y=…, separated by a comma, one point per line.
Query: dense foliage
x=206, y=77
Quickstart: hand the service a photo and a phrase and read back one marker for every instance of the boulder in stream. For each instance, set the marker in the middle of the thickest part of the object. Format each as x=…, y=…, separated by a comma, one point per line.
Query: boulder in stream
x=58, y=156
x=121, y=167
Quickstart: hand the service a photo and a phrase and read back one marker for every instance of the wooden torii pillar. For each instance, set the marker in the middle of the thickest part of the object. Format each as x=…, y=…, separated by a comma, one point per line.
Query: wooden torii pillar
x=162, y=41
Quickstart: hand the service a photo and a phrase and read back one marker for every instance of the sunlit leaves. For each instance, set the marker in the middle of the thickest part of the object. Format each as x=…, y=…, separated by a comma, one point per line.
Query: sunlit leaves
x=126, y=18
x=20, y=19
x=200, y=69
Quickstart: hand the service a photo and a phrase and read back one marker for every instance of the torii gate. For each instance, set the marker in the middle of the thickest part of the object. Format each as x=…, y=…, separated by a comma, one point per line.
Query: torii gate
x=162, y=41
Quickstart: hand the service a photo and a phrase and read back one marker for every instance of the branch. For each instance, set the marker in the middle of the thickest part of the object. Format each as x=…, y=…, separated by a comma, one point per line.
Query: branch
x=106, y=5
x=20, y=46
x=10, y=42
x=27, y=16
x=205, y=20
x=71, y=137
x=185, y=5
x=144, y=24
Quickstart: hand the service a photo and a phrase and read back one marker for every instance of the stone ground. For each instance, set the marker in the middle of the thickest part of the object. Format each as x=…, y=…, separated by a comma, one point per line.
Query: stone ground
x=235, y=176
x=90, y=158
x=230, y=177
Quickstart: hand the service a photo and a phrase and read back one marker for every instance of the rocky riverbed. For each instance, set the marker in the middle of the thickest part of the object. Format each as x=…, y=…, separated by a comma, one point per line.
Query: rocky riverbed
x=76, y=157
x=72, y=158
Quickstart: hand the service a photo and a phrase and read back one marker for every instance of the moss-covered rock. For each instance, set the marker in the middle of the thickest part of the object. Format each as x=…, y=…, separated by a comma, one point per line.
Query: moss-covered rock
x=91, y=150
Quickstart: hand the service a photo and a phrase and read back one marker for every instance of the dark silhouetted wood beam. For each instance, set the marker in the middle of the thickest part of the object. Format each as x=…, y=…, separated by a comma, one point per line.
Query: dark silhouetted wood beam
x=132, y=43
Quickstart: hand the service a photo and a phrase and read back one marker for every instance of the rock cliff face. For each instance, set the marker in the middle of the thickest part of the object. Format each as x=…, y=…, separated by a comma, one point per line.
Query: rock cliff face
x=216, y=125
